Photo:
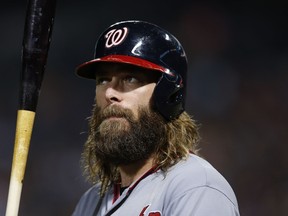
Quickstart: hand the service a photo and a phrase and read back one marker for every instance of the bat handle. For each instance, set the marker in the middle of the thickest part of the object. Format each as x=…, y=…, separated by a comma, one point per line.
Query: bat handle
x=24, y=127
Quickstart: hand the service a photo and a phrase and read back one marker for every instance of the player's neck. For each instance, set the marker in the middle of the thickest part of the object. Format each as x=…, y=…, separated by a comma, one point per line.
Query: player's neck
x=130, y=173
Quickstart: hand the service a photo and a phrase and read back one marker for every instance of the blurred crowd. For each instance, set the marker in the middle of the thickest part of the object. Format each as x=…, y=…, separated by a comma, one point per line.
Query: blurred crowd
x=237, y=92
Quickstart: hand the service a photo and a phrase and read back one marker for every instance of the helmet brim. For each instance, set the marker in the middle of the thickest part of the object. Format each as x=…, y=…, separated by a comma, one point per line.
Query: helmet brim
x=88, y=69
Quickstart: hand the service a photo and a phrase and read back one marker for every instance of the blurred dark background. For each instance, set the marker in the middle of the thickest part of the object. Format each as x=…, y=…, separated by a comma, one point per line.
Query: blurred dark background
x=237, y=90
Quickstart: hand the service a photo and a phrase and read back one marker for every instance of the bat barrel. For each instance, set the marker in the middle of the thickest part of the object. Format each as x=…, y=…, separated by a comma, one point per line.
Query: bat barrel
x=35, y=46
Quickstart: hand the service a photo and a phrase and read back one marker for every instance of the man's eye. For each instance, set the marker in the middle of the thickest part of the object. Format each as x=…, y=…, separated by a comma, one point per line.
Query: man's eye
x=131, y=79
x=101, y=80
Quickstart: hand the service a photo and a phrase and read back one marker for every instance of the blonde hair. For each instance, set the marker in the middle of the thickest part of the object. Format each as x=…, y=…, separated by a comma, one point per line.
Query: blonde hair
x=182, y=137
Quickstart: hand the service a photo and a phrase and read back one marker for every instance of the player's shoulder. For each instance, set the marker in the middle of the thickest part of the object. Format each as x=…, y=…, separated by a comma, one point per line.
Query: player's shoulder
x=196, y=172
x=197, y=169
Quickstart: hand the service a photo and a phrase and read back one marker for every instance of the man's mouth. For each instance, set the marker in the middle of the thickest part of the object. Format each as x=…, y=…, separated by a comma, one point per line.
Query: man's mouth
x=112, y=118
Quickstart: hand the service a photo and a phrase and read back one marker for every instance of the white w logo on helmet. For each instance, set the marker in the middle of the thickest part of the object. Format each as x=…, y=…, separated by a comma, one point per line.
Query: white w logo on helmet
x=115, y=36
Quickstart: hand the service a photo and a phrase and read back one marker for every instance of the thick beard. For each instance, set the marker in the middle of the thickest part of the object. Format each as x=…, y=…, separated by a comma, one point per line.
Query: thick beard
x=118, y=139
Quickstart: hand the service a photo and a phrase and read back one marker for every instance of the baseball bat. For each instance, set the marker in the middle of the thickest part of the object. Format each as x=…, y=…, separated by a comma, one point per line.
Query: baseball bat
x=35, y=45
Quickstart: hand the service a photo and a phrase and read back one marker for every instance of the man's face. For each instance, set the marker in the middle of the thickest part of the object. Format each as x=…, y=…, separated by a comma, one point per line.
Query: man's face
x=125, y=128
x=124, y=86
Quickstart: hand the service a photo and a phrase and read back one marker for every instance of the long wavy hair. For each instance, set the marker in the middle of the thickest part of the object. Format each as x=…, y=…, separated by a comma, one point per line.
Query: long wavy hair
x=182, y=138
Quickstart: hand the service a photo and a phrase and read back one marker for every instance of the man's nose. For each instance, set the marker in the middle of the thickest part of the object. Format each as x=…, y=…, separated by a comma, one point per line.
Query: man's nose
x=113, y=92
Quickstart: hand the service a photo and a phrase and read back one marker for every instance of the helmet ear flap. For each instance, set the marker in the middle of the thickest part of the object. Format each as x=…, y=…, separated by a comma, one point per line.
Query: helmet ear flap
x=168, y=96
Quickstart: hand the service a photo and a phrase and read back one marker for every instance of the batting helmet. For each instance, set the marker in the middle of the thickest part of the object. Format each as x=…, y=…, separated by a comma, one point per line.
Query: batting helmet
x=145, y=45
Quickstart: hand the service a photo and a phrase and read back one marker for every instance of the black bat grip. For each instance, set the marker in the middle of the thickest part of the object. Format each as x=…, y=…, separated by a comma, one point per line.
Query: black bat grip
x=35, y=46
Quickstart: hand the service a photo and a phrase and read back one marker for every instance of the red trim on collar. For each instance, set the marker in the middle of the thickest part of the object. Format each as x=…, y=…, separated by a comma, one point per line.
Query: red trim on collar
x=116, y=191
x=117, y=186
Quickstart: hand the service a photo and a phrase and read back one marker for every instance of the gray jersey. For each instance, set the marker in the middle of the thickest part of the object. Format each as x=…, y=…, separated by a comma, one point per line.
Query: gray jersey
x=191, y=187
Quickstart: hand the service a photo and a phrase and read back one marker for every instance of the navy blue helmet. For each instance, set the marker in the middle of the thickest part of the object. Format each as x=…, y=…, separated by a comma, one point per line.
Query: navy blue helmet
x=145, y=45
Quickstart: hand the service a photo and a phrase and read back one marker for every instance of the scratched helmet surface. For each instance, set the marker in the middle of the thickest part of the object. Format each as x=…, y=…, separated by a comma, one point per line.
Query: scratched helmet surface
x=145, y=45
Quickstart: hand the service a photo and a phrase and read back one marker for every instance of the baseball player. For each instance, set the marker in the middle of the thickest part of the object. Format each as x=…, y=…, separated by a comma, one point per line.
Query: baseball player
x=141, y=151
